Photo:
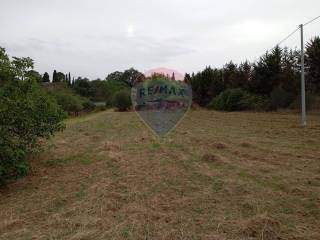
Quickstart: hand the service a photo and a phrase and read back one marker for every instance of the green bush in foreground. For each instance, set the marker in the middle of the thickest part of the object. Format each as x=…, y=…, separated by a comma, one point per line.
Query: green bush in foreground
x=27, y=113
x=233, y=100
x=122, y=100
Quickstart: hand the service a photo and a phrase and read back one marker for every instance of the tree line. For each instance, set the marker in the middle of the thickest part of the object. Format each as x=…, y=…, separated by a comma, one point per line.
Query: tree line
x=270, y=83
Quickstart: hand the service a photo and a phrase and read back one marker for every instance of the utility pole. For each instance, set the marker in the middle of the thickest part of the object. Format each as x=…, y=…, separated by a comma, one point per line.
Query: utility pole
x=303, y=88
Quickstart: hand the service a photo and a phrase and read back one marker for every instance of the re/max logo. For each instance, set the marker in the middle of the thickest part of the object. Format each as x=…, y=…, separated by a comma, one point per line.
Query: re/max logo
x=162, y=90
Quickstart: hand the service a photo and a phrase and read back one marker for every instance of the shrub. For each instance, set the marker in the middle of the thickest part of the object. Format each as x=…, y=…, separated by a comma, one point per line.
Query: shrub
x=88, y=105
x=27, y=113
x=69, y=102
x=122, y=100
x=279, y=98
x=232, y=100
x=312, y=102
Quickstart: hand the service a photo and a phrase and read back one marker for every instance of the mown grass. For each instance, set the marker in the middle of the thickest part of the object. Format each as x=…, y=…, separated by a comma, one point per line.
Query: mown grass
x=216, y=176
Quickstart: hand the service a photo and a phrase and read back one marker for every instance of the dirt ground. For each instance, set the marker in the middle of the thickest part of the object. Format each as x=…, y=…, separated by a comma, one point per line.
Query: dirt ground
x=216, y=176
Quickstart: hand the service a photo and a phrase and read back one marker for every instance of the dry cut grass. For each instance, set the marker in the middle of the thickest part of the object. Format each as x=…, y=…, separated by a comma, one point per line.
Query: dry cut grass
x=217, y=176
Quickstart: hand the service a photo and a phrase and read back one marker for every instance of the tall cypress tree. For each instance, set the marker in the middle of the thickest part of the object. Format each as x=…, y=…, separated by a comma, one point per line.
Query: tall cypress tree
x=173, y=76
x=69, y=79
x=54, y=76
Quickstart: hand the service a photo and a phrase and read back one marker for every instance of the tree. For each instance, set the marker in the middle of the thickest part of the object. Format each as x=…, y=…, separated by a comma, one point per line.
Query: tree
x=206, y=85
x=82, y=87
x=313, y=65
x=69, y=79
x=289, y=80
x=129, y=76
x=46, y=77
x=6, y=73
x=267, y=72
x=27, y=114
x=54, y=76
x=117, y=76
x=245, y=74
x=21, y=66
x=60, y=77
x=32, y=74
x=173, y=76
x=187, y=78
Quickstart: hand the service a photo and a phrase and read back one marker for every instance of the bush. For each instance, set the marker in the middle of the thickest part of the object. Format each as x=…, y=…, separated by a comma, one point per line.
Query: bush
x=88, y=105
x=312, y=102
x=122, y=100
x=233, y=100
x=69, y=102
x=27, y=113
x=280, y=98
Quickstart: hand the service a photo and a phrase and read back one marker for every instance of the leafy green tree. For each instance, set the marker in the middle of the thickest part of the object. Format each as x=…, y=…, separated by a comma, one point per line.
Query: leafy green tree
x=99, y=90
x=82, y=87
x=32, y=74
x=6, y=73
x=131, y=77
x=116, y=76
x=27, y=114
x=60, y=77
x=21, y=66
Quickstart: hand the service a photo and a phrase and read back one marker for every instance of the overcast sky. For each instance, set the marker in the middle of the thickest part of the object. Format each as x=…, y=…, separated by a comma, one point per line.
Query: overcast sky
x=95, y=37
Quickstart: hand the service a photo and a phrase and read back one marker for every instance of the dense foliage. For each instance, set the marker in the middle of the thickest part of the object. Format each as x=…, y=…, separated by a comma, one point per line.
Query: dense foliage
x=231, y=100
x=104, y=90
x=275, y=78
x=27, y=114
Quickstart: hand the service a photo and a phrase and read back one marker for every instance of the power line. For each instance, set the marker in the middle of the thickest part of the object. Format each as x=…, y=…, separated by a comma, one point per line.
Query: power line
x=303, y=91
x=286, y=38
x=311, y=21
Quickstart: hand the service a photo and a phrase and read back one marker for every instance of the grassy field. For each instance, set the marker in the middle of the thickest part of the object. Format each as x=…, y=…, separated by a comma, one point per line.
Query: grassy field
x=216, y=176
